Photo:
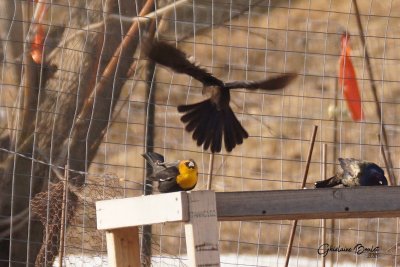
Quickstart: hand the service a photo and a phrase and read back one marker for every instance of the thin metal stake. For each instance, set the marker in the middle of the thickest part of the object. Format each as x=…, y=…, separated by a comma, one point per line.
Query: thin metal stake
x=323, y=222
x=210, y=171
x=384, y=157
x=151, y=88
x=303, y=184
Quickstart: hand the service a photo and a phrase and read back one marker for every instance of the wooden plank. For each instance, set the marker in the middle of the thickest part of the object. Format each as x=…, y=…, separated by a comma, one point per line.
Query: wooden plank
x=123, y=247
x=135, y=211
x=202, y=230
x=360, y=202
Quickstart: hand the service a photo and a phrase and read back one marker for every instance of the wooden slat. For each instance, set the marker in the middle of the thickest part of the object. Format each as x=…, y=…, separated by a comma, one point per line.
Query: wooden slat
x=135, y=211
x=123, y=247
x=202, y=230
x=360, y=202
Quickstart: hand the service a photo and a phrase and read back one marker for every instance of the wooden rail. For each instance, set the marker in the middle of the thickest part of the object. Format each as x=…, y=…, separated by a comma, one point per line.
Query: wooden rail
x=200, y=211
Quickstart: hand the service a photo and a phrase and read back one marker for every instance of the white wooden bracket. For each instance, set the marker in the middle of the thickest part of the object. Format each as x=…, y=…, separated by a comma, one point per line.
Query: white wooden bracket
x=121, y=218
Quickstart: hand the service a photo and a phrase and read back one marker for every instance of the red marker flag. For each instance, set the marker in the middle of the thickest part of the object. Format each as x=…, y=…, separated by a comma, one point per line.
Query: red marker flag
x=37, y=45
x=347, y=79
x=38, y=39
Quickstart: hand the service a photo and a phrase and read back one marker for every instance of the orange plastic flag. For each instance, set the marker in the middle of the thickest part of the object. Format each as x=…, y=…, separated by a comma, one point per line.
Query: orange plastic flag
x=37, y=45
x=38, y=39
x=348, y=79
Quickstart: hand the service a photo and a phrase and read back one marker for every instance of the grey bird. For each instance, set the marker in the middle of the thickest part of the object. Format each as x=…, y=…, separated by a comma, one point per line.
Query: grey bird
x=355, y=173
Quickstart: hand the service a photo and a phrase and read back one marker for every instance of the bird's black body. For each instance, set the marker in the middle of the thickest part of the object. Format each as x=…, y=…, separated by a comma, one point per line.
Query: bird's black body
x=211, y=120
x=355, y=173
x=165, y=173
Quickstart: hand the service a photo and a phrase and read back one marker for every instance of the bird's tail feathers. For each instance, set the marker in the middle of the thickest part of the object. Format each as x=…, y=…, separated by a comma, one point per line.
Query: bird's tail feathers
x=331, y=182
x=209, y=125
x=153, y=158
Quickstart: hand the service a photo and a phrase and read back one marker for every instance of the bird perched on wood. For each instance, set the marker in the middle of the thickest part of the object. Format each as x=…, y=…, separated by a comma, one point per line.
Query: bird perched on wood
x=180, y=175
x=355, y=173
x=212, y=119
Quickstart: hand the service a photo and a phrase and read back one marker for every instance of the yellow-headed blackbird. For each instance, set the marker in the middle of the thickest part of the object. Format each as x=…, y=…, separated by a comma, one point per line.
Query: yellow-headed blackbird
x=180, y=175
x=210, y=120
x=354, y=173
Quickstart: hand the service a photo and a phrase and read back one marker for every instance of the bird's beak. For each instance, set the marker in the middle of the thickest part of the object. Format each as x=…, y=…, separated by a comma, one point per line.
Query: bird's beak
x=191, y=164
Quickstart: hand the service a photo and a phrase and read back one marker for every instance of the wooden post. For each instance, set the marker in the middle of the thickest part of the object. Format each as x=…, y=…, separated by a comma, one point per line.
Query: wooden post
x=123, y=247
x=202, y=229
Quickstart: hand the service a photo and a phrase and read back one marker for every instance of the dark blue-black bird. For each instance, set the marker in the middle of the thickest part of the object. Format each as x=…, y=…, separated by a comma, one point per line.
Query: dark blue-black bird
x=355, y=173
x=211, y=120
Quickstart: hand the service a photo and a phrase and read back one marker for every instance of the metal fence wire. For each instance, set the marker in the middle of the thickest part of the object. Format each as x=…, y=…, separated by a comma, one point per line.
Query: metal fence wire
x=80, y=101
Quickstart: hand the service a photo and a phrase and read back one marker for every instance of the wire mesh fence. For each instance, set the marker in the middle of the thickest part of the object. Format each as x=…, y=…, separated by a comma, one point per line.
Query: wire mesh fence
x=80, y=103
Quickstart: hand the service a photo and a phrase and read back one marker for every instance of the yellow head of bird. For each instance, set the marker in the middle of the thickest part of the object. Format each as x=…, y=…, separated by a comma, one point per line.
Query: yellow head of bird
x=187, y=177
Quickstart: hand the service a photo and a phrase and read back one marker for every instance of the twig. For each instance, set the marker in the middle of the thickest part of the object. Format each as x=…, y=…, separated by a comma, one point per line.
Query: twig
x=335, y=155
x=64, y=208
x=294, y=225
x=384, y=157
x=84, y=30
x=392, y=177
x=260, y=120
x=323, y=221
x=210, y=171
x=31, y=84
x=15, y=227
x=150, y=16
x=5, y=222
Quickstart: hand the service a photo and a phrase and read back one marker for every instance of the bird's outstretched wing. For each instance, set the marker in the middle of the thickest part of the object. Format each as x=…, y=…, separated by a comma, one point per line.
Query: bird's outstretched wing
x=169, y=56
x=271, y=84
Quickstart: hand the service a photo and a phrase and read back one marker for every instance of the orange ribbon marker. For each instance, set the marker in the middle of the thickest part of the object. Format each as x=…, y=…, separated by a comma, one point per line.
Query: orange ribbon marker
x=347, y=79
x=38, y=39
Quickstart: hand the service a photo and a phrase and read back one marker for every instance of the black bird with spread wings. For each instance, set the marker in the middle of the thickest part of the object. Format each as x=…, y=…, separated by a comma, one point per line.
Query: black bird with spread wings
x=355, y=173
x=212, y=119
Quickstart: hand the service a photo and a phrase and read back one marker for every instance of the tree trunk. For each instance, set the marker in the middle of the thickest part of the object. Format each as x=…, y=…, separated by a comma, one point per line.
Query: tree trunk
x=79, y=59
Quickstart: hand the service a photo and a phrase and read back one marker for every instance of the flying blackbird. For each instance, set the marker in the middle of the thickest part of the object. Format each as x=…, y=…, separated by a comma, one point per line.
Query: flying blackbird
x=212, y=119
x=180, y=175
x=354, y=173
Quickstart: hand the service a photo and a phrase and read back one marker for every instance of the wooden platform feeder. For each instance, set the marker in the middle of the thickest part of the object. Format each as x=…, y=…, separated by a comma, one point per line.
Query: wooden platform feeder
x=200, y=211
